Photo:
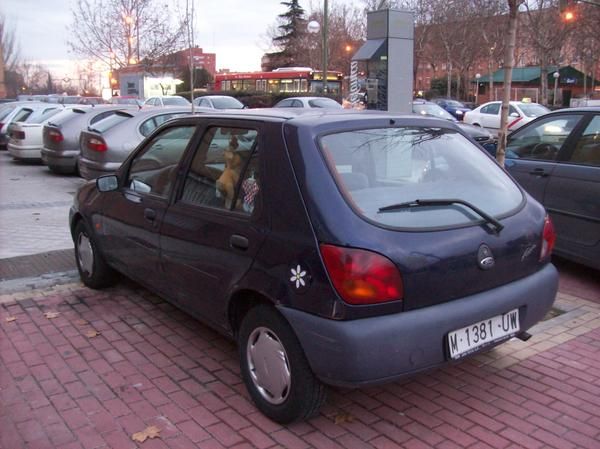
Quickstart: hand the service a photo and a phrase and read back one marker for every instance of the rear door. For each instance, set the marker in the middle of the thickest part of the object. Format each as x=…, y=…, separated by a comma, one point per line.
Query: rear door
x=214, y=229
x=133, y=214
x=532, y=151
x=573, y=194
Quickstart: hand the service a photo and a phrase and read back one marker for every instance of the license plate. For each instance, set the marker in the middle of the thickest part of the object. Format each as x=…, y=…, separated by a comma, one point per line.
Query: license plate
x=467, y=339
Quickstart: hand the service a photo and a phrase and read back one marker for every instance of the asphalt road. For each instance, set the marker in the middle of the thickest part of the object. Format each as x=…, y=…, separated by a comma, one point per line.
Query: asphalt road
x=34, y=207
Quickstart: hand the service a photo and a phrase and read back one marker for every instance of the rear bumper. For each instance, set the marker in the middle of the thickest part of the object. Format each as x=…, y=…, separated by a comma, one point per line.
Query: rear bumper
x=385, y=348
x=24, y=152
x=63, y=159
x=89, y=169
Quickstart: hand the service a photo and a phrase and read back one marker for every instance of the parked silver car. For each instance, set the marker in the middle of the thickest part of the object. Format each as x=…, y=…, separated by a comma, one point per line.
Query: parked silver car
x=18, y=111
x=106, y=144
x=171, y=100
x=26, y=138
x=61, y=135
x=219, y=102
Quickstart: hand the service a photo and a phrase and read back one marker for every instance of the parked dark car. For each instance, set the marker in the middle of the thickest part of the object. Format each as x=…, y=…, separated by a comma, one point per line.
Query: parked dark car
x=454, y=107
x=61, y=135
x=106, y=144
x=556, y=158
x=337, y=248
x=481, y=135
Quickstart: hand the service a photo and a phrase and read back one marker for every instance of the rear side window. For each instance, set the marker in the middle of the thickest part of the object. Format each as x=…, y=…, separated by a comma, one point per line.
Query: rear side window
x=587, y=150
x=377, y=168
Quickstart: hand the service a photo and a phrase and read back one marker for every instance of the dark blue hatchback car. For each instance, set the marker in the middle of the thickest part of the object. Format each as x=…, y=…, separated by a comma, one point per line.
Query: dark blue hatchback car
x=340, y=248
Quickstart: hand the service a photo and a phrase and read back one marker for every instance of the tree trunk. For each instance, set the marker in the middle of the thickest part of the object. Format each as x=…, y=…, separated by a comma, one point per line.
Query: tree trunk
x=544, y=80
x=509, y=57
x=449, y=80
x=491, y=76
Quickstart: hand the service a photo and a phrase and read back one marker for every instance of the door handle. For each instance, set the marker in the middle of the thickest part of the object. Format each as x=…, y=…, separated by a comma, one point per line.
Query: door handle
x=150, y=214
x=539, y=172
x=239, y=242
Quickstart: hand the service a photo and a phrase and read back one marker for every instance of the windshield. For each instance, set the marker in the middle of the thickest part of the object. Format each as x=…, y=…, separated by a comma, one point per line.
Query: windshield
x=454, y=104
x=326, y=103
x=46, y=115
x=432, y=110
x=175, y=101
x=376, y=168
x=5, y=111
x=533, y=109
x=227, y=103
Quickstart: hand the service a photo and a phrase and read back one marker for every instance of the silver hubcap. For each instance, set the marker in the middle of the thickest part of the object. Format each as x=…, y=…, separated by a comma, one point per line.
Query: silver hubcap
x=269, y=366
x=85, y=254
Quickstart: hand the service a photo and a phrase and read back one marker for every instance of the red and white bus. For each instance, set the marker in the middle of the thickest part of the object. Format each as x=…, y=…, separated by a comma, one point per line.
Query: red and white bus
x=288, y=79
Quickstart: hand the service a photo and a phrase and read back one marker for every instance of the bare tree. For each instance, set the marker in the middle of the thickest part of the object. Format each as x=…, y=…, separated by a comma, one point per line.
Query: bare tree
x=546, y=33
x=511, y=37
x=10, y=47
x=585, y=43
x=124, y=32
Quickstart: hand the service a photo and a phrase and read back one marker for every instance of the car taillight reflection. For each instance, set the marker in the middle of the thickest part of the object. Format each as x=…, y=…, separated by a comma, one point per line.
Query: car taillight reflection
x=362, y=277
x=96, y=144
x=55, y=136
x=548, y=239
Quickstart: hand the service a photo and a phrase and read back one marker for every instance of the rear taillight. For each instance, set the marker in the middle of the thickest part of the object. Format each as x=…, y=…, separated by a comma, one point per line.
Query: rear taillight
x=362, y=277
x=1, y=125
x=96, y=144
x=18, y=135
x=55, y=136
x=514, y=122
x=548, y=239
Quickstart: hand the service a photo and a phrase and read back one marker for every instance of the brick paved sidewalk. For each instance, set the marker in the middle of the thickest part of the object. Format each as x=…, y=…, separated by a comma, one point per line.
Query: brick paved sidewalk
x=116, y=362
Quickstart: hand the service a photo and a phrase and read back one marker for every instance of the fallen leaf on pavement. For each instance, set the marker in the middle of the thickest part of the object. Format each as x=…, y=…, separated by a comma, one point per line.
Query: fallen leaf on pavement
x=10, y=319
x=51, y=315
x=148, y=432
x=81, y=322
x=92, y=334
x=343, y=417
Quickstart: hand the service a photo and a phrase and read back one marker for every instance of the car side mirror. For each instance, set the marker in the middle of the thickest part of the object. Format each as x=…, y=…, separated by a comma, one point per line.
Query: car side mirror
x=107, y=183
x=514, y=114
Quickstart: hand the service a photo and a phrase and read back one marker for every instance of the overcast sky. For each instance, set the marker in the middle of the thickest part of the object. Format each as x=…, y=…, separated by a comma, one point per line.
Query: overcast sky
x=233, y=29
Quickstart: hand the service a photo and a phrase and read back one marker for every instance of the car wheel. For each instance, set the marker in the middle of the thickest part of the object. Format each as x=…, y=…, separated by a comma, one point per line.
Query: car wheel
x=93, y=269
x=274, y=368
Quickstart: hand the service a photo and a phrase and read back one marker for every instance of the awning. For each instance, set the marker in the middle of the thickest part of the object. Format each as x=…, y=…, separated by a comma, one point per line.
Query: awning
x=368, y=49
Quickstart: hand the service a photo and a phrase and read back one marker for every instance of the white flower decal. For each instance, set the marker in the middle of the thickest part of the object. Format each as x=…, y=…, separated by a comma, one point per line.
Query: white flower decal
x=297, y=276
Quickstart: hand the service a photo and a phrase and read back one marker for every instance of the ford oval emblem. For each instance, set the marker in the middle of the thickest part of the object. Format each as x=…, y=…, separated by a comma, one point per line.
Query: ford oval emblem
x=485, y=258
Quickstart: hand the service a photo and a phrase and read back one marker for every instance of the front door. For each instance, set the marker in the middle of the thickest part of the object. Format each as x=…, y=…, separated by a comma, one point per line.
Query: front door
x=531, y=152
x=214, y=229
x=133, y=214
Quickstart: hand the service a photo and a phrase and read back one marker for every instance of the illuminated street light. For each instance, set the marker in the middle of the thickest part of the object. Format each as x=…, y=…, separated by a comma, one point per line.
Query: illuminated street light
x=556, y=75
x=477, y=76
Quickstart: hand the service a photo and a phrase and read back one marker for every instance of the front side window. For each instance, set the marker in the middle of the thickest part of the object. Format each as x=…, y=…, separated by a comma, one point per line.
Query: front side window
x=543, y=140
x=379, y=170
x=224, y=172
x=154, y=169
x=587, y=150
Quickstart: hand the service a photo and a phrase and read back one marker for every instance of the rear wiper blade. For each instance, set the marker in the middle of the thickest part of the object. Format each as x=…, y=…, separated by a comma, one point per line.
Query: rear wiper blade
x=443, y=202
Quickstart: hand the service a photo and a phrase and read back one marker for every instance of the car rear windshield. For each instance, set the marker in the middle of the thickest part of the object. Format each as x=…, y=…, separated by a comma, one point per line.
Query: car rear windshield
x=432, y=110
x=22, y=115
x=46, y=115
x=378, y=168
x=175, y=101
x=326, y=103
x=5, y=111
x=533, y=110
x=112, y=120
x=227, y=103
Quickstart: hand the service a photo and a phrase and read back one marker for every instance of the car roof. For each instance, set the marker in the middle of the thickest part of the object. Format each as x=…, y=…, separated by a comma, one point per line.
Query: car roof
x=317, y=116
x=578, y=109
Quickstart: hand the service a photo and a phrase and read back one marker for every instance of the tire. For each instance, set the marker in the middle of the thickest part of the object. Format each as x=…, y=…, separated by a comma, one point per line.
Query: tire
x=289, y=391
x=93, y=269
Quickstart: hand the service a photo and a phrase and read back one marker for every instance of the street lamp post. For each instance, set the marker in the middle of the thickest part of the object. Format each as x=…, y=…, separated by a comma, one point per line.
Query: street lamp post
x=325, y=46
x=556, y=75
x=477, y=76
